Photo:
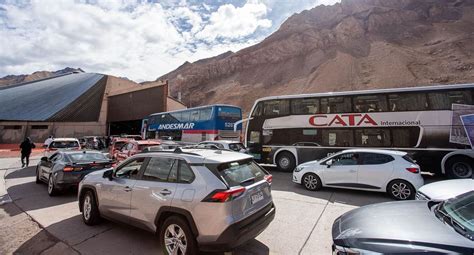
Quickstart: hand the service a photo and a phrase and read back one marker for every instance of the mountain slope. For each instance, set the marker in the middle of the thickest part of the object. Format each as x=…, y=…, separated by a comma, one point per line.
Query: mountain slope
x=15, y=79
x=358, y=44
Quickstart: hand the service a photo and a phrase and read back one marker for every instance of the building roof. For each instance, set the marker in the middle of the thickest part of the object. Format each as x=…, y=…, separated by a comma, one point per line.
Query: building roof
x=71, y=97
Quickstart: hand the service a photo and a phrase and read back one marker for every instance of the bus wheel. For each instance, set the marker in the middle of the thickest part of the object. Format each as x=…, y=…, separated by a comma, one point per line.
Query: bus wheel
x=459, y=167
x=286, y=161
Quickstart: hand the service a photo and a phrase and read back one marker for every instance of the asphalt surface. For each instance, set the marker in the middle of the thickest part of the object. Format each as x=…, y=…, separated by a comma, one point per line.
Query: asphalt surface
x=302, y=224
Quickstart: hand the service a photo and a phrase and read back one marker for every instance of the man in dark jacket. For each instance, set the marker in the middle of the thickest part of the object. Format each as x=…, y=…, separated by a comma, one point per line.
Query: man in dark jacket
x=26, y=146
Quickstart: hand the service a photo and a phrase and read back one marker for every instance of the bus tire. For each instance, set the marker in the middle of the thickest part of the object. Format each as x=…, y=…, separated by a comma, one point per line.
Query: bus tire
x=459, y=167
x=285, y=161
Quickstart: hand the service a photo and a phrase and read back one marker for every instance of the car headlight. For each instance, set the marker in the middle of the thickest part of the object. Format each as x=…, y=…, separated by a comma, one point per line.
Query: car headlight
x=298, y=168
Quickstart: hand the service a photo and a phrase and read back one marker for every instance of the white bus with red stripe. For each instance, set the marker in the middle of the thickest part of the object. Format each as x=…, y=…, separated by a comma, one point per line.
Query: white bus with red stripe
x=434, y=124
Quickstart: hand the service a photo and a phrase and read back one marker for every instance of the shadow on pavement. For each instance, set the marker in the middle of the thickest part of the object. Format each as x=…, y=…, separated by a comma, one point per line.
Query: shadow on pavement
x=22, y=173
x=110, y=238
x=29, y=195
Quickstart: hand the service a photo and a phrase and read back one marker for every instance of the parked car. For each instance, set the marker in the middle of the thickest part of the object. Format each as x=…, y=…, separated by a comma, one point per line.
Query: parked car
x=214, y=200
x=65, y=169
x=407, y=227
x=61, y=144
x=223, y=145
x=134, y=137
x=133, y=147
x=95, y=142
x=388, y=171
x=117, y=144
x=442, y=190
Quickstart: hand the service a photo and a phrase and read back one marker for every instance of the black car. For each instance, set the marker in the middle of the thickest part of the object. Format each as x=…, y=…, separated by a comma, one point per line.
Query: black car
x=408, y=227
x=65, y=169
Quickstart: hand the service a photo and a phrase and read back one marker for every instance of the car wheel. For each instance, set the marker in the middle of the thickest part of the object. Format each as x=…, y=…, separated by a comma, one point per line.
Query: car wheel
x=401, y=190
x=459, y=168
x=90, y=211
x=311, y=181
x=176, y=237
x=286, y=161
x=38, y=181
x=52, y=190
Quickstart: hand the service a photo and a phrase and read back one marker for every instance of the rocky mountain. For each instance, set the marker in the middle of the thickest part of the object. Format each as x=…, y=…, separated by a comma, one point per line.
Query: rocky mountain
x=357, y=44
x=15, y=79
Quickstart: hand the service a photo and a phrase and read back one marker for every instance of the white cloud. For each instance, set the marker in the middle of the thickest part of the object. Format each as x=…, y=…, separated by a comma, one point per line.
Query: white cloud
x=136, y=39
x=235, y=22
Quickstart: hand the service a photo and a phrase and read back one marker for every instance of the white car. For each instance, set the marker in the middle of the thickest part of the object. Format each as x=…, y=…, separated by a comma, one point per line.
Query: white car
x=388, y=171
x=61, y=144
x=224, y=145
x=442, y=190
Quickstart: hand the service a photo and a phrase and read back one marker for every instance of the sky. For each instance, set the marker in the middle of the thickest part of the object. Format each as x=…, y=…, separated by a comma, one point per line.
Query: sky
x=140, y=40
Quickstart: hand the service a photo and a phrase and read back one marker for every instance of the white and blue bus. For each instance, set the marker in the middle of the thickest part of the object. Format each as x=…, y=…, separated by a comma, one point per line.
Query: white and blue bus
x=212, y=122
x=433, y=124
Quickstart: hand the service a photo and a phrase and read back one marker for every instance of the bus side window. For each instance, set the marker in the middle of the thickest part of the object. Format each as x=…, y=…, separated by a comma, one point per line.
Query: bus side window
x=336, y=105
x=407, y=102
x=370, y=103
x=276, y=107
x=305, y=106
x=444, y=100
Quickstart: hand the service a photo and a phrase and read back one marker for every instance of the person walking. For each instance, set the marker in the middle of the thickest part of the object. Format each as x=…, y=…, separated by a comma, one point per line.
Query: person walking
x=26, y=146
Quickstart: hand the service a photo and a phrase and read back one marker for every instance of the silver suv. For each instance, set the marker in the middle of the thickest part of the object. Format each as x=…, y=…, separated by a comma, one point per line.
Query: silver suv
x=195, y=199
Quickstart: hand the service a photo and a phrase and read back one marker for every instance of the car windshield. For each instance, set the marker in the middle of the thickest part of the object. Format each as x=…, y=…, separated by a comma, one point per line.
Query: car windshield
x=143, y=146
x=241, y=172
x=236, y=146
x=87, y=157
x=458, y=212
x=64, y=144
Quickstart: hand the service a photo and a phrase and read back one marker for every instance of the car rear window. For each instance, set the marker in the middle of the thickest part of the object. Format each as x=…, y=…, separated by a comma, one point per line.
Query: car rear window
x=87, y=157
x=236, y=146
x=409, y=159
x=241, y=172
x=63, y=144
x=143, y=146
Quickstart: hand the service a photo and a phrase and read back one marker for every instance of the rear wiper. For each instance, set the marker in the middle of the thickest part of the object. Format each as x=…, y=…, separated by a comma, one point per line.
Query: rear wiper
x=251, y=179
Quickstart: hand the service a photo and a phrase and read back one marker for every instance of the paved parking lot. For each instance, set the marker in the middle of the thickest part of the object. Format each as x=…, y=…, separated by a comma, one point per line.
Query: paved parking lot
x=302, y=224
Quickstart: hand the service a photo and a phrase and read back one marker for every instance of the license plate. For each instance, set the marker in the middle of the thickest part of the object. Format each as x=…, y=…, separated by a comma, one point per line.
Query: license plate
x=256, y=197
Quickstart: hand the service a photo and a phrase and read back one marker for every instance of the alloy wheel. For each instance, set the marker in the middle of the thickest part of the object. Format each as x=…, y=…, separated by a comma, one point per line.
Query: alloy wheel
x=175, y=240
x=310, y=182
x=50, y=185
x=87, y=207
x=401, y=191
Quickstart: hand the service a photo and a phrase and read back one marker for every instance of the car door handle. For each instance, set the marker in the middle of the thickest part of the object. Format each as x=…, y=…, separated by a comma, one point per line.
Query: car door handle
x=165, y=192
x=127, y=189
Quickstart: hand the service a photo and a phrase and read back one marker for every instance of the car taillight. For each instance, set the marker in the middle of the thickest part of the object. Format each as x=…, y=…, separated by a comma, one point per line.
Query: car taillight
x=414, y=170
x=71, y=168
x=268, y=178
x=221, y=196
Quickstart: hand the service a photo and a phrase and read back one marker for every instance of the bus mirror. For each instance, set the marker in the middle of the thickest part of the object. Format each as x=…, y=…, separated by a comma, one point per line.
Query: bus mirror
x=329, y=163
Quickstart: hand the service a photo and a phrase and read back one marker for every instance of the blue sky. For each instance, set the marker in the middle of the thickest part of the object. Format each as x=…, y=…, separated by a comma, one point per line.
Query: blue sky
x=141, y=40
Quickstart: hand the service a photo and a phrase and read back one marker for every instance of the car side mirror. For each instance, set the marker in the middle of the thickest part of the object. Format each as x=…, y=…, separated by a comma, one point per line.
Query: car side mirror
x=329, y=163
x=45, y=159
x=108, y=174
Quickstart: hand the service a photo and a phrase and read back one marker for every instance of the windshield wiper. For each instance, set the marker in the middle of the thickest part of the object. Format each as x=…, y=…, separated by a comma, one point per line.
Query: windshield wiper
x=446, y=218
x=251, y=179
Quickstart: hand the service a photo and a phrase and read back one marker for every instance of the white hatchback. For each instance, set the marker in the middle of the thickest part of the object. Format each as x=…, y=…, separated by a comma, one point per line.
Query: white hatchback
x=388, y=171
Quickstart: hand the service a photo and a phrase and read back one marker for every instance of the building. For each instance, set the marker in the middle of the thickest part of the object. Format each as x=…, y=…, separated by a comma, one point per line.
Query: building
x=79, y=104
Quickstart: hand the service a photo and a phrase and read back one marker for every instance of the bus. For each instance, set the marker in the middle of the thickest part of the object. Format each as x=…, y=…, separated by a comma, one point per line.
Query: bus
x=197, y=124
x=434, y=124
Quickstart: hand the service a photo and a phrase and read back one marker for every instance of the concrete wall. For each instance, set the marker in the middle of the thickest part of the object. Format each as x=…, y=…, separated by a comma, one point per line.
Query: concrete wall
x=57, y=129
x=173, y=105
